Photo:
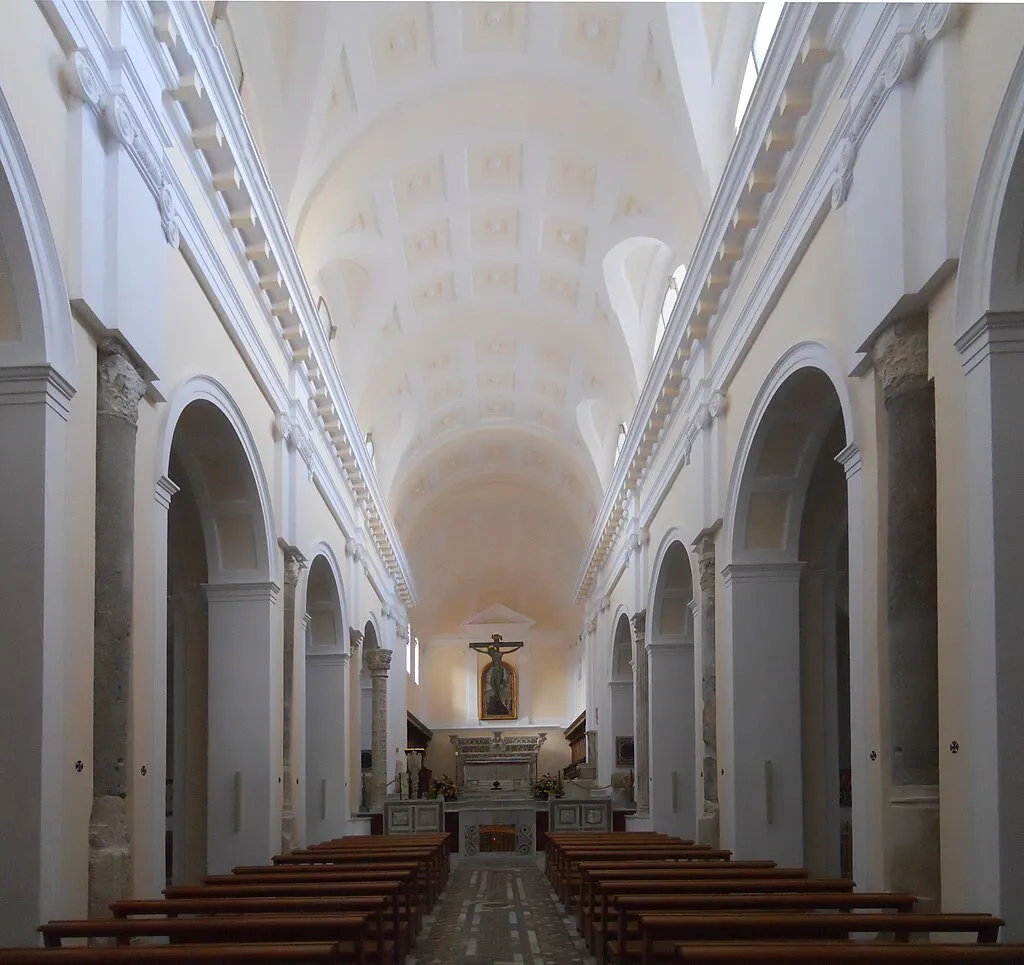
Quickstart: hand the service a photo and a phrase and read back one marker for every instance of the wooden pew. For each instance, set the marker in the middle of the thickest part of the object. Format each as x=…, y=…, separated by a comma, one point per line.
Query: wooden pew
x=623, y=917
x=239, y=888
x=829, y=953
x=395, y=928
x=623, y=870
x=597, y=881
x=351, y=931
x=660, y=934
x=226, y=954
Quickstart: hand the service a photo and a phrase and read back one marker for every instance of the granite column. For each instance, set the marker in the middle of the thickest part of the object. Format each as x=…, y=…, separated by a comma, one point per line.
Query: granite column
x=900, y=356
x=294, y=562
x=379, y=661
x=642, y=713
x=119, y=389
x=708, y=825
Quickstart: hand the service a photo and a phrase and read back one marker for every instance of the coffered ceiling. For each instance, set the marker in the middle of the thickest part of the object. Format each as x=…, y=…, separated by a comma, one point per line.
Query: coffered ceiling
x=490, y=198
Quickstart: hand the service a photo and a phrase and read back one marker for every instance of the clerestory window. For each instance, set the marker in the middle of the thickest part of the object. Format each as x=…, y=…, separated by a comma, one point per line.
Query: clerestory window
x=767, y=23
x=675, y=284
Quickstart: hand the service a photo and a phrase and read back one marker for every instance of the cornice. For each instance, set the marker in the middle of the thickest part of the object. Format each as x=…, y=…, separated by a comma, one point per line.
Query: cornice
x=35, y=384
x=204, y=116
x=756, y=176
x=206, y=96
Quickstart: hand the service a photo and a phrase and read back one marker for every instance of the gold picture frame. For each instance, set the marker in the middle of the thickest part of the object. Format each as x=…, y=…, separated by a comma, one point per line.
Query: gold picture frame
x=494, y=706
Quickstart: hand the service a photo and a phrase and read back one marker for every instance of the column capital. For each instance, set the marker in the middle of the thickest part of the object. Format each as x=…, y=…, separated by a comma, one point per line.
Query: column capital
x=355, y=638
x=379, y=661
x=120, y=386
x=639, y=621
x=294, y=562
x=900, y=356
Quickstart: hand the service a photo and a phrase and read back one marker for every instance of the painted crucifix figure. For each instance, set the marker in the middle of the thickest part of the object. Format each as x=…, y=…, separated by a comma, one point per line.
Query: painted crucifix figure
x=498, y=692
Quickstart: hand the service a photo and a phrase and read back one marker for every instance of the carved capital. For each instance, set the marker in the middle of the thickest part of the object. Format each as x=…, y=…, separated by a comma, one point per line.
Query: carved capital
x=294, y=562
x=900, y=356
x=355, y=638
x=639, y=621
x=119, y=386
x=706, y=566
x=842, y=173
x=378, y=660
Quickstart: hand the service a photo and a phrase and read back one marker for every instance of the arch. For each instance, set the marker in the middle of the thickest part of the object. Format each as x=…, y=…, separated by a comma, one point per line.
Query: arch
x=326, y=700
x=205, y=389
x=622, y=639
x=323, y=550
x=672, y=692
x=803, y=355
x=659, y=572
x=233, y=646
x=981, y=279
x=775, y=615
x=44, y=311
x=36, y=366
x=989, y=332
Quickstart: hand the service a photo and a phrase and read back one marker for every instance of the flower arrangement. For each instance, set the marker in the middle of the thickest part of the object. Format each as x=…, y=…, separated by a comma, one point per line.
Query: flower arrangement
x=444, y=785
x=548, y=786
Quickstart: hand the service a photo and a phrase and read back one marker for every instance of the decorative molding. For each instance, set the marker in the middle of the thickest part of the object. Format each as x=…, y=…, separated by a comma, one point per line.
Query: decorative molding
x=850, y=459
x=798, y=53
x=165, y=490
x=36, y=384
x=231, y=592
x=85, y=82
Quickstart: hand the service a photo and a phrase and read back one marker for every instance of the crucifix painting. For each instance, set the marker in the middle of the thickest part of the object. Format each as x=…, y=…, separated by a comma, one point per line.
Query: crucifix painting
x=499, y=697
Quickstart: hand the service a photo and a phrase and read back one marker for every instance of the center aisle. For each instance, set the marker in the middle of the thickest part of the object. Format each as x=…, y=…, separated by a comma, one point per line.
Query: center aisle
x=498, y=910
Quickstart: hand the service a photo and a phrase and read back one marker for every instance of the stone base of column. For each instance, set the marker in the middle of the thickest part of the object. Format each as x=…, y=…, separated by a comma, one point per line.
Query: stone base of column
x=110, y=854
x=707, y=827
x=914, y=843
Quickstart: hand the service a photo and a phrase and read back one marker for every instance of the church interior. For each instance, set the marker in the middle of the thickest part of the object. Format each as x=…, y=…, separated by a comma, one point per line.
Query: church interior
x=526, y=450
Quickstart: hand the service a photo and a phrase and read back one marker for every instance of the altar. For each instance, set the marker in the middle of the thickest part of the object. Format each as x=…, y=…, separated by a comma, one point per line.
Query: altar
x=497, y=767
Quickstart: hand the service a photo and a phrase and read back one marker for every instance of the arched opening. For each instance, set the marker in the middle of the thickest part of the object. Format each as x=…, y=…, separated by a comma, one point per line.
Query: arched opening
x=786, y=598
x=620, y=687
x=35, y=359
x=326, y=701
x=673, y=731
x=370, y=642
x=990, y=330
x=223, y=733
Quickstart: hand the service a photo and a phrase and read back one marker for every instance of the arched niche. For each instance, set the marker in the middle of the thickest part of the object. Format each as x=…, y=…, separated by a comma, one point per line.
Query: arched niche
x=787, y=576
x=673, y=708
x=326, y=702
x=36, y=364
x=223, y=721
x=990, y=337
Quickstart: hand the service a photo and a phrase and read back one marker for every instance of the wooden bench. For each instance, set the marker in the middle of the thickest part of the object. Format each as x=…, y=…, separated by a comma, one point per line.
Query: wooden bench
x=828, y=953
x=395, y=927
x=660, y=934
x=350, y=931
x=623, y=917
x=597, y=881
x=226, y=954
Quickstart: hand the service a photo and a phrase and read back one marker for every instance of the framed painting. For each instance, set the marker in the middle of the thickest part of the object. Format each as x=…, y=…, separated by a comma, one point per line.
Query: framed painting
x=499, y=692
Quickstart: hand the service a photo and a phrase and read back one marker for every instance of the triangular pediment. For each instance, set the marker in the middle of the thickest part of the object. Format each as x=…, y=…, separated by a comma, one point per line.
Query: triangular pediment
x=498, y=614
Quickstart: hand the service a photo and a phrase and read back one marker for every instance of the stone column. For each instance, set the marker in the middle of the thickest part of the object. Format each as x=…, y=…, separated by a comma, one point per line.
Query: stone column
x=353, y=724
x=641, y=714
x=900, y=356
x=294, y=562
x=707, y=826
x=119, y=389
x=379, y=661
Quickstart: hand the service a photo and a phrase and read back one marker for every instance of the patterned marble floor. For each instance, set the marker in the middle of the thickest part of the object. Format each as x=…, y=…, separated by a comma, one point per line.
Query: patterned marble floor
x=498, y=910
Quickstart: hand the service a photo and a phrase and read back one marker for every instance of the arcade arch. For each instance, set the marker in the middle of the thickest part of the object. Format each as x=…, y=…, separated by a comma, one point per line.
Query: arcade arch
x=673, y=725
x=326, y=701
x=223, y=654
x=787, y=607
x=620, y=701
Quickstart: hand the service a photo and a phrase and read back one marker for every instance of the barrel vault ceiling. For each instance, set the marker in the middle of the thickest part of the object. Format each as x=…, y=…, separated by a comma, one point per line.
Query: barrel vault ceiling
x=489, y=197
